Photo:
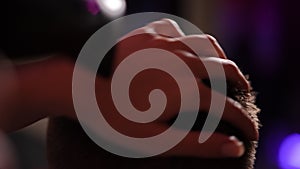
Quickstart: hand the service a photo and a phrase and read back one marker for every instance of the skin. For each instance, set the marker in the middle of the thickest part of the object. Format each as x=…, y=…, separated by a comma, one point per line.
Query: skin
x=44, y=89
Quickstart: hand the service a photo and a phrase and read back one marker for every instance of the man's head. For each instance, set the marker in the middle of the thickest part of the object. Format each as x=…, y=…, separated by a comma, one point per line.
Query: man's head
x=70, y=147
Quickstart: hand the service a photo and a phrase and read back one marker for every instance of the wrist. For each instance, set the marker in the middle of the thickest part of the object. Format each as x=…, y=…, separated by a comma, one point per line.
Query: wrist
x=45, y=86
x=8, y=94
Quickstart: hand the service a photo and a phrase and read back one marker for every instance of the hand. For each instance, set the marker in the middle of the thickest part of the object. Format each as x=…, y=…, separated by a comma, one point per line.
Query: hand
x=165, y=34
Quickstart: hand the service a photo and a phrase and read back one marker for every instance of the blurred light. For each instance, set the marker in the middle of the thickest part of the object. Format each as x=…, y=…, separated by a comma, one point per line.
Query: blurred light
x=92, y=6
x=112, y=8
x=289, y=152
x=113, y=5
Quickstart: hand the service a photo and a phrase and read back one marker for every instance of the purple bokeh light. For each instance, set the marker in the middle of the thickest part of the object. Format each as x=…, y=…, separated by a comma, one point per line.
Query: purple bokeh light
x=92, y=6
x=289, y=152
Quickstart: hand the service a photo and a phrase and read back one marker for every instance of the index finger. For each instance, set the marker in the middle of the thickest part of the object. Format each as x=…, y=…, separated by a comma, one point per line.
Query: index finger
x=166, y=27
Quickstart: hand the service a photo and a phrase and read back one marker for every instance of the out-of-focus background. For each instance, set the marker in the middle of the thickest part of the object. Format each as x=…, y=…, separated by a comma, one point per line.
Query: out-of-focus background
x=261, y=36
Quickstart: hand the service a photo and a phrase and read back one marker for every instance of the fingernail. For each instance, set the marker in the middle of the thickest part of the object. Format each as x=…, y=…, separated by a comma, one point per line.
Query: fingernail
x=233, y=148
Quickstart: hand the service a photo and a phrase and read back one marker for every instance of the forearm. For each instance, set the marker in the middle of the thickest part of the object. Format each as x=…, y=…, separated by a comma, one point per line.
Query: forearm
x=8, y=90
x=43, y=89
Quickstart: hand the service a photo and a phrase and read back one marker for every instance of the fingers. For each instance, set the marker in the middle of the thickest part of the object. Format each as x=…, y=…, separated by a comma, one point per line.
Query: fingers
x=233, y=112
x=203, y=45
x=169, y=31
x=166, y=27
x=217, y=146
x=217, y=46
x=232, y=72
x=200, y=68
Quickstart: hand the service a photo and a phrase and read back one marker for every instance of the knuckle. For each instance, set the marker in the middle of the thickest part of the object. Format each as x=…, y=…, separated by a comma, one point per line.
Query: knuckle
x=211, y=38
x=153, y=24
x=230, y=66
x=143, y=31
x=169, y=21
x=162, y=42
